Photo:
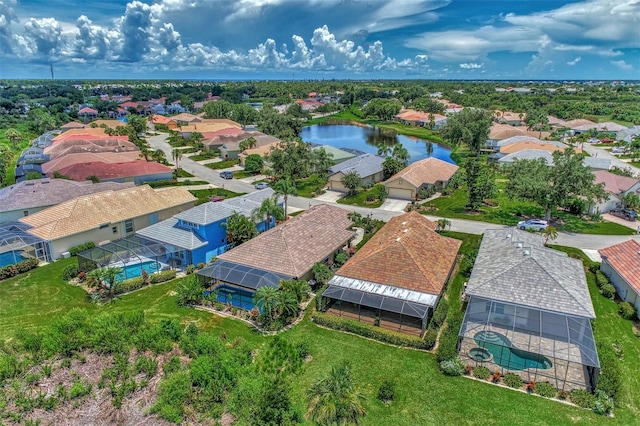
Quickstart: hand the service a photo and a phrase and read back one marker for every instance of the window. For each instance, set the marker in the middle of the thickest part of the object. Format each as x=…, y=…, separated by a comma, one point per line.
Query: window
x=26, y=212
x=115, y=229
x=128, y=226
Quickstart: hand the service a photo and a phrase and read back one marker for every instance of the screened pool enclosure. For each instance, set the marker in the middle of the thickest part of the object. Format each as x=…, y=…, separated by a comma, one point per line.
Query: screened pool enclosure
x=17, y=244
x=537, y=345
x=133, y=254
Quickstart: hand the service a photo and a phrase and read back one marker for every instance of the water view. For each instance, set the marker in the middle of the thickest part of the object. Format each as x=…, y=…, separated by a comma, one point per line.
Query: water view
x=367, y=139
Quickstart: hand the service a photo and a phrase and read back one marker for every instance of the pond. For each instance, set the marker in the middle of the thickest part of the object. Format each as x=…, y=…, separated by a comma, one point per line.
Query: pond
x=366, y=139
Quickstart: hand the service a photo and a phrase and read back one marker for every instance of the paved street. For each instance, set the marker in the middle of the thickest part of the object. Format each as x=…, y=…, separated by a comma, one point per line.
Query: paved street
x=581, y=241
x=595, y=151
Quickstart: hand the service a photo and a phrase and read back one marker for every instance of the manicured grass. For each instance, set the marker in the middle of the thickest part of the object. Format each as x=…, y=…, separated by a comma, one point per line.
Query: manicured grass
x=424, y=395
x=241, y=174
x=222, y=164
x=360, y=199
x=206, y=155
x=510, y=212
x=204, y=195
x=181, y=173
x=310, y=186
x=605, y=118
x=9, y=177
x=166, y=183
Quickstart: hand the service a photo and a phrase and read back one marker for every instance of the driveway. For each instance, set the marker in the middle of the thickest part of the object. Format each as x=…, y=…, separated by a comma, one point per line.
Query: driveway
x=611, y=218
x=394, y=205
x=595, y=151
x=330, y=196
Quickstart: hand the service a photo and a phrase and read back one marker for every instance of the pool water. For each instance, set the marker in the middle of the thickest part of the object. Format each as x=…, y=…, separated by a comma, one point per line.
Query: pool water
x=135, y=270
x=508, y=357
x=10, y=258
x=235, y=297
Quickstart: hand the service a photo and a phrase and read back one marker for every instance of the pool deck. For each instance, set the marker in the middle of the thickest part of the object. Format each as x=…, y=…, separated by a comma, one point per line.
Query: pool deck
x=565, y=373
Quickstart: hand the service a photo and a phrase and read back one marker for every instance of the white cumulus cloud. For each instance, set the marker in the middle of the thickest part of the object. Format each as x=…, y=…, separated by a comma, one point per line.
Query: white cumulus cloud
x=622, y=65
x=575, y=61
x=471, y=66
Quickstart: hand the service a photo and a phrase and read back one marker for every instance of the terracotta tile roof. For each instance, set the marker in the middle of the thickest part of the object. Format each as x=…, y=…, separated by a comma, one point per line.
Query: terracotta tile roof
x=504, y=131
x=206, y=127
x=430, y=170
x=625, y=259
x=90, y=211
x=112, y=124
x=89, y=157
x=519, y=146
x=161, y=119
x=87, y=110
x=185, y=116
x=105, y=171
x=261, y=150
x=232, y=142
x=98, y=145
x=84, y=131
x=292, y=248
x=614, y=184
x=72, y=125
x=405, y=253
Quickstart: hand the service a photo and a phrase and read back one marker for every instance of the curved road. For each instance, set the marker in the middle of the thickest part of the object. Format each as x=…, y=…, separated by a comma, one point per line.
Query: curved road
x=581, y=241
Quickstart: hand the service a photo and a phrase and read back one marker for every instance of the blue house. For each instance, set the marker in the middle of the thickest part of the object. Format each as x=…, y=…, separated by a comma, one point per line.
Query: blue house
x=200, y=231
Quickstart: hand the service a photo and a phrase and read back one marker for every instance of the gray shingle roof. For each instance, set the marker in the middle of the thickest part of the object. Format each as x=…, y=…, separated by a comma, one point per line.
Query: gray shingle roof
x=528, y=154
x=207, y=213
x=365, y=165
x=597, y=163
x=167, y=231
x=513, y=266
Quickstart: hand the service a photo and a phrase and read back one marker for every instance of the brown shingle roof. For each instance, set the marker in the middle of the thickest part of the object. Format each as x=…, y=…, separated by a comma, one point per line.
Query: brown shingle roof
x=293, y=247
x=625, y=259
x=89, y=157
x=90, y=211
x=613, y=183
x=405, y=253
x=521, y=146
x=99, y=131
x=430, y=170
x=112, y=124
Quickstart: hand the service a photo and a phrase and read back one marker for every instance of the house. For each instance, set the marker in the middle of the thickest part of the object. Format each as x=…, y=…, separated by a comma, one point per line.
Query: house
x=17, y=244
x=503, y=131
x=337, y=155
x=396, y=279
x=32, y=155
x=214, y=140
x=287, y=251
x=616, y=187
x=88, y=145
x=132, y=171
x=111, y=124
x=496, y=144
x=88, y=113
x=597, y=163
x=72, y=125
x=510, y=118
x=262, y=151
x=549, y=146
x=105, y=216
x=529, y=312
x=428, y=173
x=186, y=118
x=621, y=263
x=438, y=121
x=527, y=154
x=166, y=121
x=608, y=127
x=205, y=127
x=628, y=134
x=200, y=231
x=367, y=166
x=25, y=170
x=84, y=133
x=231, y=146
x=25, y=198
x=64, y=161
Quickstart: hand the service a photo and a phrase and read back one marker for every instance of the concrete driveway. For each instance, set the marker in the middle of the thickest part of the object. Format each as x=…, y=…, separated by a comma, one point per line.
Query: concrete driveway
x=330, y=196
x=611, y=218
x=394, y=205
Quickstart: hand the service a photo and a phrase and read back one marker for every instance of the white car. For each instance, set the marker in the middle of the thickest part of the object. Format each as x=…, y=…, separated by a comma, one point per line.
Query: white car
x=618, y=150
x=533, y=224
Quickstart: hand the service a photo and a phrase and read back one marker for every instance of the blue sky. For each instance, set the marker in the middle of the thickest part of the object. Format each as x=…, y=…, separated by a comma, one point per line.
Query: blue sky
x=310, y=39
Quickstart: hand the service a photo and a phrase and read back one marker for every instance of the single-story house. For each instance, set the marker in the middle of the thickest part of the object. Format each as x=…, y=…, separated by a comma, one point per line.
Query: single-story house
x=63, y=161
x=608, y=127
x=231, y=146
x=112, y=124
x=287, y=251
x=82, y=133
x=549, y=146
x=132, y=171
x=597, y=163
x=529, y=312
x=262, y=151
x=428, y=173
x=105, y=216
x=72, y=125
x=96, y=145
x=621, y=263
x=628, y=134
x=396, y=279
x=200, y=231
x=337, y=155
x=527, y=154
x=167, y=121
x=186, y=118
x=25, y=170
x=616, y=187
x=510, y=118
x=504, y=131
x=88, y=113
x=367, y=166
x=30, y=196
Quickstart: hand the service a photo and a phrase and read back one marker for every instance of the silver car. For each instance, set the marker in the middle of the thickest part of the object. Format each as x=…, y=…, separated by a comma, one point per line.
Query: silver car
x=533, y=224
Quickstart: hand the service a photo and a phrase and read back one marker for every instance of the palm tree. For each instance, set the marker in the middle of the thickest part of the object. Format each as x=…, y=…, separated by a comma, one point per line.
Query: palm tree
x=266, y=298
x=240, y=229
x=442, y=224
x=286, y=304
x=96, y=277
x=243, y=145
x=550, y=233
x=335, y=399
x=268, y=209
x=158, y=156
x=176, y=154
x=285, y=187
x=144, y=152
x=252, y=142
x=299, y=288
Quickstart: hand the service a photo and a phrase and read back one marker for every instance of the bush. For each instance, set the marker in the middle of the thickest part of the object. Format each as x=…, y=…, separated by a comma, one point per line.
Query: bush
x=452, y=367
x=610, y=378
x=440, y=314
x=70, y=272
x=190, y=269
x=80, y=248
x=513, y=380
x=583, y=399
x=448, y=344
x=481, y=373
x=546, y=389
x=163, y=276
x=627, y=311
x=387, y=391
x=603, y=404
x=563, y=395
x=601, y=279
x=430, y=337
x=369, y=331
x=129, y=285
x=608, y=291
x=18, y=268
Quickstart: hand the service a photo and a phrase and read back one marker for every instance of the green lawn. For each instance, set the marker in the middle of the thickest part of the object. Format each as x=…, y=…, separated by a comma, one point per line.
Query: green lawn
x=225, y=164
x=360, y=199
x=206, y=155
x=9, y=177
x=204, y=195
x=310, y=186
x=424, y=396
x=241, y=174
x=509, y=212
x=181, y=173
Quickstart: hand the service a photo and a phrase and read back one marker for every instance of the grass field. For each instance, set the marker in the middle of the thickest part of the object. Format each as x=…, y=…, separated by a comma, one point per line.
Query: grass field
x=510, y=212
x=9, y=176
x=360, y=199
x=310, y=186
x=225, y=164
x=424, y=395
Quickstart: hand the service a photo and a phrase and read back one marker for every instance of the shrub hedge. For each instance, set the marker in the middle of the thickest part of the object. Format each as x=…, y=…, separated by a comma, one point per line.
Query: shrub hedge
x=82, y=247
x=546, y=389
x=440, y=314
x=610, y=378
x=448, y=344
x=373, y=332
x=481, y=373
x=628, y=311
x=70, y=272
x=513, y=380
x=583, y=399
x=129, y=285
x=18, y=268
x=608, y=291
x=452, y=367
x=163, y=276
x=601, y=279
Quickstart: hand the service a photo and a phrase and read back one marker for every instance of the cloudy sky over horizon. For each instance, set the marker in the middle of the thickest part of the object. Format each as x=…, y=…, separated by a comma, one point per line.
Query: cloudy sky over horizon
x=300, y=39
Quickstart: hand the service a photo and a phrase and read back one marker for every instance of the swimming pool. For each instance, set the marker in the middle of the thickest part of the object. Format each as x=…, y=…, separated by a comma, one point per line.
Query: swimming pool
x=508, y=357
x=235, y=297
x=135, y=269
x=10, y=258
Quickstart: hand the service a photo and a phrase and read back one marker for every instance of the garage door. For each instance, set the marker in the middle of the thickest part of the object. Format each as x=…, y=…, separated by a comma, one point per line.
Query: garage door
x=402, y=193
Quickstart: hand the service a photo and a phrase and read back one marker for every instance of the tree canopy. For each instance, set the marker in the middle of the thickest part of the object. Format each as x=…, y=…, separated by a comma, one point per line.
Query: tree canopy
x=470, y=126
x=240, y=229
x=296, y=160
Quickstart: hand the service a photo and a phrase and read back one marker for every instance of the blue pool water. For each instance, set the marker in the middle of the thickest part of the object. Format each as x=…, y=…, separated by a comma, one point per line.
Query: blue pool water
x=135, y=270
x=507, y=357
x=7, y=258
x=235, y=296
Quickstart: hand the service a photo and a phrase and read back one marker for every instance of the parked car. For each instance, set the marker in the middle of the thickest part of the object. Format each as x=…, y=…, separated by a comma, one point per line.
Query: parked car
x=618, y=150
x=216, y=199
x=262, y=185
x=226, y=175
x=627, y=214
x=533, y=224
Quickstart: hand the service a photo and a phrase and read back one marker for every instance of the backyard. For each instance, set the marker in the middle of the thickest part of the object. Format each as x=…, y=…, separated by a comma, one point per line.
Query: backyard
x=424, y=395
